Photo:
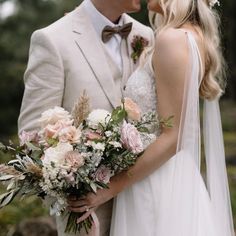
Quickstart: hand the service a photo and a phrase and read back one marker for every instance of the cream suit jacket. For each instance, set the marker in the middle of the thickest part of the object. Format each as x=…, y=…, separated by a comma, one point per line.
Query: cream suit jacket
x=65, y=59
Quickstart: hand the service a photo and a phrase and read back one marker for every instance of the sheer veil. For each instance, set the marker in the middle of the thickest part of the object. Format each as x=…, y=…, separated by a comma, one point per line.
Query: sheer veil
x=191, y=201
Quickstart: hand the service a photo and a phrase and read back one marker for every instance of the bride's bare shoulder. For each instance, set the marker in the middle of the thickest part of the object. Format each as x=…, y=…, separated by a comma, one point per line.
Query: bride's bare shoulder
x=172, y=41
x=171, y=52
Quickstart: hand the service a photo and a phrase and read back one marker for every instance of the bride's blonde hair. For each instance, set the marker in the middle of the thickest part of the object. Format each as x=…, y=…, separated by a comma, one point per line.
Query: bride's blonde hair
x=198, y=13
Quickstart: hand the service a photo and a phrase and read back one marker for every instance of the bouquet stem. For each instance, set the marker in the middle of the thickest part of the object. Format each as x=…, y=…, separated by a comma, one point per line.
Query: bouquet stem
x=73, y=227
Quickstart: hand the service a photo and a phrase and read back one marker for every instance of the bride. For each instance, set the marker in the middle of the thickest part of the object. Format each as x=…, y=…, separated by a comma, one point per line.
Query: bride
x=164, y=193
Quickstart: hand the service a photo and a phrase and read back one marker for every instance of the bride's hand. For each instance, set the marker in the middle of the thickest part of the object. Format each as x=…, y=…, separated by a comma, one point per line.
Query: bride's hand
x=89, y=202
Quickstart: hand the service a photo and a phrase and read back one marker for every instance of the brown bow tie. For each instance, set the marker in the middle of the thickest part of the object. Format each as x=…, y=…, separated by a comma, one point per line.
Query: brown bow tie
x=109, y=31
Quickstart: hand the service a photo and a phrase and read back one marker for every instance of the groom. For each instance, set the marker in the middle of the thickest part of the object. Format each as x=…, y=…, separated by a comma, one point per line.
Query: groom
x=88, y=49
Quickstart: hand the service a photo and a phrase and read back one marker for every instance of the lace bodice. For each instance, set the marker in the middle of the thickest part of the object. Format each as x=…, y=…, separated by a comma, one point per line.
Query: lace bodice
x=141, y=87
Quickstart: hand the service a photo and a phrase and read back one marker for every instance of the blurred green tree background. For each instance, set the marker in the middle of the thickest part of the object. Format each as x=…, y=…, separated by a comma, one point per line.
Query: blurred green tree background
x=15, y=32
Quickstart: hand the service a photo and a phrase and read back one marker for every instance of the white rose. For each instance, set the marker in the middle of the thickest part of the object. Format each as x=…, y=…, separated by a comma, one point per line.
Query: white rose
x=56, y=154
x=52, y=116
x=97, y=117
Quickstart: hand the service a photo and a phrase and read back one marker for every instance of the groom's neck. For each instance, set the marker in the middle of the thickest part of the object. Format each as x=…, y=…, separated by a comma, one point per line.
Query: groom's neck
x=108, y=9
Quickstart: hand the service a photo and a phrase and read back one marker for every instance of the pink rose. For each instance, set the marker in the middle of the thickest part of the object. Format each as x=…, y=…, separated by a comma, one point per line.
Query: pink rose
x=130, y=138
x=132, y=109
x=90, y=135
x=69, y=134
x=52, y=131
x=74, y=160
x=31, y=136
x=103, y=174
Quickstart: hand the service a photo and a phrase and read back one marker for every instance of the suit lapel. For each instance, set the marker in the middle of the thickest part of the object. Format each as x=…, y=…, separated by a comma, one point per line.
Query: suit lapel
x=93, y=51
x=126, y=49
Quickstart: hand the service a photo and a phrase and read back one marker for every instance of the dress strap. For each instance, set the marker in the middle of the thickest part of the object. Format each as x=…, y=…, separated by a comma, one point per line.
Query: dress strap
x=195, y=47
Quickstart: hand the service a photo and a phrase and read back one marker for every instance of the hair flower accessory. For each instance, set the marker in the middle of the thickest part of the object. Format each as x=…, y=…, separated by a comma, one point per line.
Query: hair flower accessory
x=212, y=3
x=138, y=44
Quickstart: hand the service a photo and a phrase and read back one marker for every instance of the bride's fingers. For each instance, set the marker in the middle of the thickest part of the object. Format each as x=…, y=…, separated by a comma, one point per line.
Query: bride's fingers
x=85, y=216
x=78, y=203
x=75, y=198
x=79, y=209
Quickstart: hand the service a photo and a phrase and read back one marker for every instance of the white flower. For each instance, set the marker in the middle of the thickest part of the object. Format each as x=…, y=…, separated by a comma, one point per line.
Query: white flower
x=115, y=144
x=98, y=146
x=97, y=117
x=56, y=154
x=108, y=133
x=52, y=116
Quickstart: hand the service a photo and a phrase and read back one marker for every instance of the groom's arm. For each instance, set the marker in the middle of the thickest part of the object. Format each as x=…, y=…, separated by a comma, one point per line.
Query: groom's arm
x=44, y=81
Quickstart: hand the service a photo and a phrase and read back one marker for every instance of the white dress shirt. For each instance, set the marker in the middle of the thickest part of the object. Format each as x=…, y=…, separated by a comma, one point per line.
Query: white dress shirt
x=113, y=46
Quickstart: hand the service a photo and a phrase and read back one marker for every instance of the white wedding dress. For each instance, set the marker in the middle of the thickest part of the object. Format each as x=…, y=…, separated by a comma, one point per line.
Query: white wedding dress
x=174, y=200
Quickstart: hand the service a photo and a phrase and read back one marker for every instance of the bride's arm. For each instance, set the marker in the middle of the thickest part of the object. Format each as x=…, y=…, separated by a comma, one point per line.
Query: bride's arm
x=170, y=62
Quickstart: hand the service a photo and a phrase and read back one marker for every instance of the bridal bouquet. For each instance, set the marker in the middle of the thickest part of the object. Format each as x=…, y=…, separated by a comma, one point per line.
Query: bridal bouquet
x=74, y=154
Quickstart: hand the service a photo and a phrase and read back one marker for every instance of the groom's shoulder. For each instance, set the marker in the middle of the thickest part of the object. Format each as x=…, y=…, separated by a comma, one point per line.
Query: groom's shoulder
x=59, y=26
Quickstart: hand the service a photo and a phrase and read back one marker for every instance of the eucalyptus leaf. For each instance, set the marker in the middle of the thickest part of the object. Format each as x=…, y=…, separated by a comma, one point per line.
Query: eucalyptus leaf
x=21, y=177
x=8, y=198
x=118, y=115
x=143, y=130
x=13, y=162
x=4, y=195
x=32, y=147
x=93, y=187
x=102, y=185
x=36, y=156
x=11, y=185
x=6, y=177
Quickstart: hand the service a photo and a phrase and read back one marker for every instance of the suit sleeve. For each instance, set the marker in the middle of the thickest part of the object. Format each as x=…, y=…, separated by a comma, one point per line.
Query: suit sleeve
x=44, y=81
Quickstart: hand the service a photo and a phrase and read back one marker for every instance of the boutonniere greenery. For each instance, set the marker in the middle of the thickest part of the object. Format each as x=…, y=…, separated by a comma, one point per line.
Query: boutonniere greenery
x=138, y=44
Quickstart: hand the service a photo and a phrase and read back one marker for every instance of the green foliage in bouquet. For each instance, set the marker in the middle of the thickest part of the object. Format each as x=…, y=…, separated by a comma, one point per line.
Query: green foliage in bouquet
x=22, y=174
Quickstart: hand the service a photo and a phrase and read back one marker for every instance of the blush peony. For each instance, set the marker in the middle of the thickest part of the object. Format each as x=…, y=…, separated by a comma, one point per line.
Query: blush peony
x=52, y=116
x=130, y=138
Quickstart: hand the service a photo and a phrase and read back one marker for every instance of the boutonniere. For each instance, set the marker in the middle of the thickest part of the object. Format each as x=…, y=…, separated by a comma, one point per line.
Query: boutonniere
x=138, y=44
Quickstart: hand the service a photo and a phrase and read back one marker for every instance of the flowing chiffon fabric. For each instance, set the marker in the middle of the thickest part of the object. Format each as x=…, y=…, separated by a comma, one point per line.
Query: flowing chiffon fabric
x=174, y=200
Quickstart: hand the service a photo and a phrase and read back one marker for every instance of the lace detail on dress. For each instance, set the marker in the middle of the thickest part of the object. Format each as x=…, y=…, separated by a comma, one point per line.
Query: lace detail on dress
x=141, y=87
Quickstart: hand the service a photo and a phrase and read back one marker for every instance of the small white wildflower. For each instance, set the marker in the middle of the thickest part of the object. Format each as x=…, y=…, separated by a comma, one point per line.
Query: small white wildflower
x=98, y=146
x=108, y=134
x=115, y=144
